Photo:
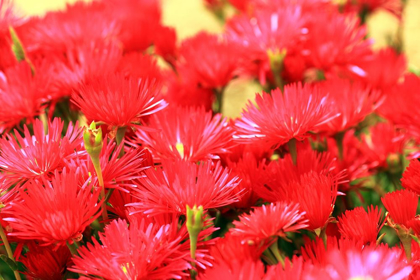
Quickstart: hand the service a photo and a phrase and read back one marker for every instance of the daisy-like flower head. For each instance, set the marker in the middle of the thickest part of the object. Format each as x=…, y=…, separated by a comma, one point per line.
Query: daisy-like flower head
x=371, y=262
x=411, y=177
x=190, y=134
x=58, y=30
x=277, y=175
x=118, y=101
x=246, y=270
x=210, y=58
x=38, y=155
x=383, y=146
x=20, y=95
x=352, y=101
x=275, y=31
x=53, y=212
x=361, y=225
x=280, y=117
x=381, y=70
x=297, y=269
x=335, y=41
x=268, y=222
x=45, y=262
x=143, y=250
x=316, y=194
x=170, y=188
x=139, y=21
x=401, y=206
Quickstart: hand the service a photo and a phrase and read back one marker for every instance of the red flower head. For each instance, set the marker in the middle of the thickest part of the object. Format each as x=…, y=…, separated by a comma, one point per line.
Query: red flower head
x=142, y=250
x=382, y=70
x=252, y=172
x=297, y=269
x=372, y=262
x=139, y=21
x=183, y=90
x=20, y=96
x=359, y=225
x=276, y=31
x=245, y=270
x=335, y=41
x=354, y=161
x=166, y=44
x=280, y=117
x=281, y=173
x=400, y=106
x=187, y=133
x=170, y=188
x=45, y=262
x=351, y=101
x=8, y=18
x=316, y=194
x=53, y=212
x=117, y=101
x=401, y=205
x=137, y=65
x=383, y=146
x=411, y=177
x=57, y=31
x=38, y=155
x=210, y=58
x=266, y=223
x=117, y=171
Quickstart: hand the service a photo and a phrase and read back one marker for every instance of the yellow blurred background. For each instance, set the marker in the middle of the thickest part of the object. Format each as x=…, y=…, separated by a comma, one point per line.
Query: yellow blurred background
x=191, y=16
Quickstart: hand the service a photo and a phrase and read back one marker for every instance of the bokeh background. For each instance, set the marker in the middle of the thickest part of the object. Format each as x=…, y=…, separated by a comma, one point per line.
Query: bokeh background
x=190, y=16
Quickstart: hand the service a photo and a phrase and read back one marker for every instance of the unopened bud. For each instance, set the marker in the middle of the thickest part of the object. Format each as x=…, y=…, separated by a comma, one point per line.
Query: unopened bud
x=93, y=140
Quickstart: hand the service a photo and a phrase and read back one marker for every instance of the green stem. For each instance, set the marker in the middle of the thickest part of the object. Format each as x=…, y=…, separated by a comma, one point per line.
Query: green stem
x=8, y=249
x=293, y=150
x=73, y=248
x=44, y=119
x=406, y=242
x=119, y=138
x=98, y=170
x=339, y=137
x=274, y=248
x=218, y=105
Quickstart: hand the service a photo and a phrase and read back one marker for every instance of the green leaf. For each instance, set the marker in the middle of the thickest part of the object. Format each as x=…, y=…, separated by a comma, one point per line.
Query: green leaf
x=11, y=263
x=17, y=46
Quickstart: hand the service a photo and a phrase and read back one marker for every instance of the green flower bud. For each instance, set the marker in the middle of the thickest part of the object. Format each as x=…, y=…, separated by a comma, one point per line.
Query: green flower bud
x=93, y=141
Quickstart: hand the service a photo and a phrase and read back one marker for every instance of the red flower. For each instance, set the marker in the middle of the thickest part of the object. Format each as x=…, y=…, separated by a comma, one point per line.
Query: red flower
x=335, y=41
x=170, y=188
x=383, y=146
x=281, y=173
x=267, y=30
x=45, y=262
x=351, y=101
x=251, y=172
x=187, y=133
x=117, y=101
x=359, y=225
x=297, y=269
x=246, y=270
x=280, y=117
x=59, y=30
x=371, y=262
x=411, y=177
x=53, y=212
x=142, y=250
x=210, y=58
x=401, y=205
x=139, y=21
x=38, y=155
x=266, y=223
x=165, y=44
x=316, y=194
x=381, y=71
x=20, y=96
x=137, y=65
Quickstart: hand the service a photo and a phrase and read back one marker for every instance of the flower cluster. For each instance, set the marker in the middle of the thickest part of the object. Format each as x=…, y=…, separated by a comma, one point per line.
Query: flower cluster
x=118, y=160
